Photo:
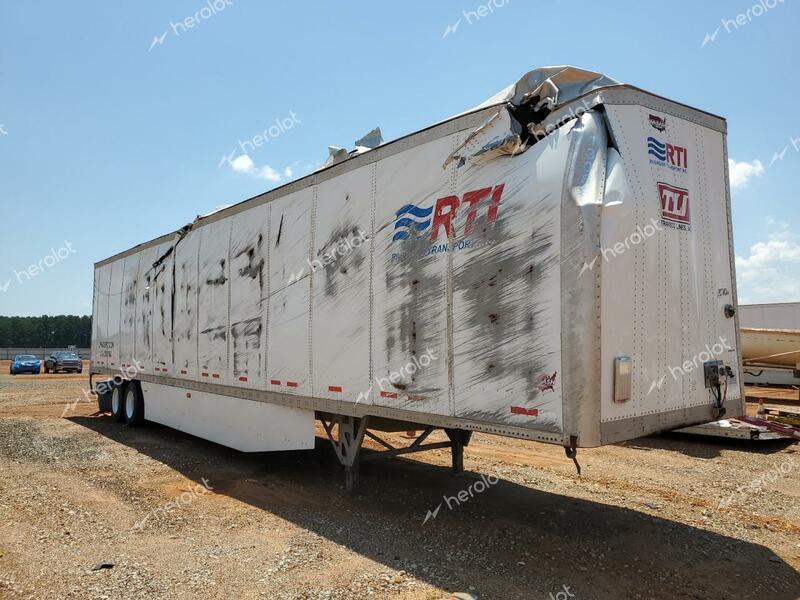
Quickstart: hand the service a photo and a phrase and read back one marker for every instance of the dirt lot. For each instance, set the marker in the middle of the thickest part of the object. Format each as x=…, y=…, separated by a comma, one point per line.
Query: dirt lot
x=643, y=521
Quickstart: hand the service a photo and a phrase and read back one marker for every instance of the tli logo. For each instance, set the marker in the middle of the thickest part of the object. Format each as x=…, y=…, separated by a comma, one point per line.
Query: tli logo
x=667, y=155
x=674, y=204
x=412, y=218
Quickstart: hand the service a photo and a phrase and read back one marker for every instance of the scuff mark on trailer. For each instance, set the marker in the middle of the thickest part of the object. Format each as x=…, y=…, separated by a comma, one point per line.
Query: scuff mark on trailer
x=221, y=279
x=340, y=253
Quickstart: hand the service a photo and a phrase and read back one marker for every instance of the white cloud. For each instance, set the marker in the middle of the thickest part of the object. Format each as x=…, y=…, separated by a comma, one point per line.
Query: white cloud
x=244, y=164
x=771, y=271
x=742, y=172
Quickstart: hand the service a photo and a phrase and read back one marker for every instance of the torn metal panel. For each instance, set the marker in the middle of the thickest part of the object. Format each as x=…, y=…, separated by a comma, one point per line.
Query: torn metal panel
x=371, y=140
x=335, y=156
x=549, y=87
x=500, y=135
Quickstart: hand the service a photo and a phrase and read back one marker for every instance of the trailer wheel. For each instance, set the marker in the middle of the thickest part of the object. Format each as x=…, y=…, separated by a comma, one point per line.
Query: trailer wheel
x=134, y=404
x=118, y=402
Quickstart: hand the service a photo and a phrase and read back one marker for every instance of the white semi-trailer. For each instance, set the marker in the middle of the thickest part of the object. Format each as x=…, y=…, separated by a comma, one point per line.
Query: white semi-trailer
x=555, y=264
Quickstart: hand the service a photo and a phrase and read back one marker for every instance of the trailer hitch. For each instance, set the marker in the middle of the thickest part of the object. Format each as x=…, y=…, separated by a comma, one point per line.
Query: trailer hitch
x=572, y=452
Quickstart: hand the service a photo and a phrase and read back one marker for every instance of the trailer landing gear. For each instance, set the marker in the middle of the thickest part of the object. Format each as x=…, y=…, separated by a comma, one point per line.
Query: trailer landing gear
x=351, y=432
x=572, y=452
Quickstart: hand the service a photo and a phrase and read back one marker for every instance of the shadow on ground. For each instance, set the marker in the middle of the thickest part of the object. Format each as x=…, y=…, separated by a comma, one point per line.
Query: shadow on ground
x=507, y=541
x=706, y=447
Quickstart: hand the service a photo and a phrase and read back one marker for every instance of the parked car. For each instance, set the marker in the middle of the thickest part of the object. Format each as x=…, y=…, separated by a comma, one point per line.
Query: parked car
x=63, y=361
x=25, y=363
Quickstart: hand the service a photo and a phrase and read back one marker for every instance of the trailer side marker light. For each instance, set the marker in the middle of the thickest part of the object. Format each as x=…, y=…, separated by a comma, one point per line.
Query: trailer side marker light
x=388, y=394
x=410, y=397
x=242, y=378
x=204, y=374
x=188, y=394
x=334, y=388
x=215, y=375
x=274, y=382
x=183, y=371
x=520, y=410
x=292, y=384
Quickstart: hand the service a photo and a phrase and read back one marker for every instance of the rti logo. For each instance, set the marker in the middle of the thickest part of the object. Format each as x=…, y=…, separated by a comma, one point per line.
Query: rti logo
x=667, y=155
x=413, y=221
x=674, y=206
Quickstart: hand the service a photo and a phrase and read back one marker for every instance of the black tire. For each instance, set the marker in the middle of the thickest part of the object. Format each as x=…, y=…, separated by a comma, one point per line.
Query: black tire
x=46, y=369
x=103, y=391
x=118, y=402
x=134, y=405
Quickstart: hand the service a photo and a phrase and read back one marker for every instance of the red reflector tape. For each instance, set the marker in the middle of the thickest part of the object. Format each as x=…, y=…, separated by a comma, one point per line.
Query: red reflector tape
x=183, y=371
x=388, y=394
x=215, y=375
x=412, y=397
x=242, y=378
x=519, y=410
x=334, y=388
x=204, y=374
x=292, y=384
x=274, y=382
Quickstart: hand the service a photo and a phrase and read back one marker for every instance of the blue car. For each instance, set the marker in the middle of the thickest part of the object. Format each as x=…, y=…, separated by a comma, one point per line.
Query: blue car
x=26, y=363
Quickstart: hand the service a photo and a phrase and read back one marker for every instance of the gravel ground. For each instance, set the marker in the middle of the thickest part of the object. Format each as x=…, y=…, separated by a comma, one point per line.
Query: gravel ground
x=92, y=509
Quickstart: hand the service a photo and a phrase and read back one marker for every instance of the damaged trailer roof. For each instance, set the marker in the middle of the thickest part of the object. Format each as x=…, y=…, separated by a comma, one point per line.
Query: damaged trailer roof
x=529, y=101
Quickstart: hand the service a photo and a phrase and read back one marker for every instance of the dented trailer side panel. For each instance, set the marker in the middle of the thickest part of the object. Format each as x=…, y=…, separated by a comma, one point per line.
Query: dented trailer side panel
x=441, y=279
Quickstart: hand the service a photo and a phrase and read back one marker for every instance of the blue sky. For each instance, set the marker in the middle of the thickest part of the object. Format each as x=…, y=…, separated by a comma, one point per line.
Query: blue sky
x=114, y=122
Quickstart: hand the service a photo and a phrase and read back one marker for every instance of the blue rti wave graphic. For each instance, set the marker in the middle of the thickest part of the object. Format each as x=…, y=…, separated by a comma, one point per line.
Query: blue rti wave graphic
x=656, y=148
x=417, y=220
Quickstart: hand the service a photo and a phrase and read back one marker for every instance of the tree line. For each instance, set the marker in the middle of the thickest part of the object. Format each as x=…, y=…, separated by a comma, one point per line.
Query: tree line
x=46, y=331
